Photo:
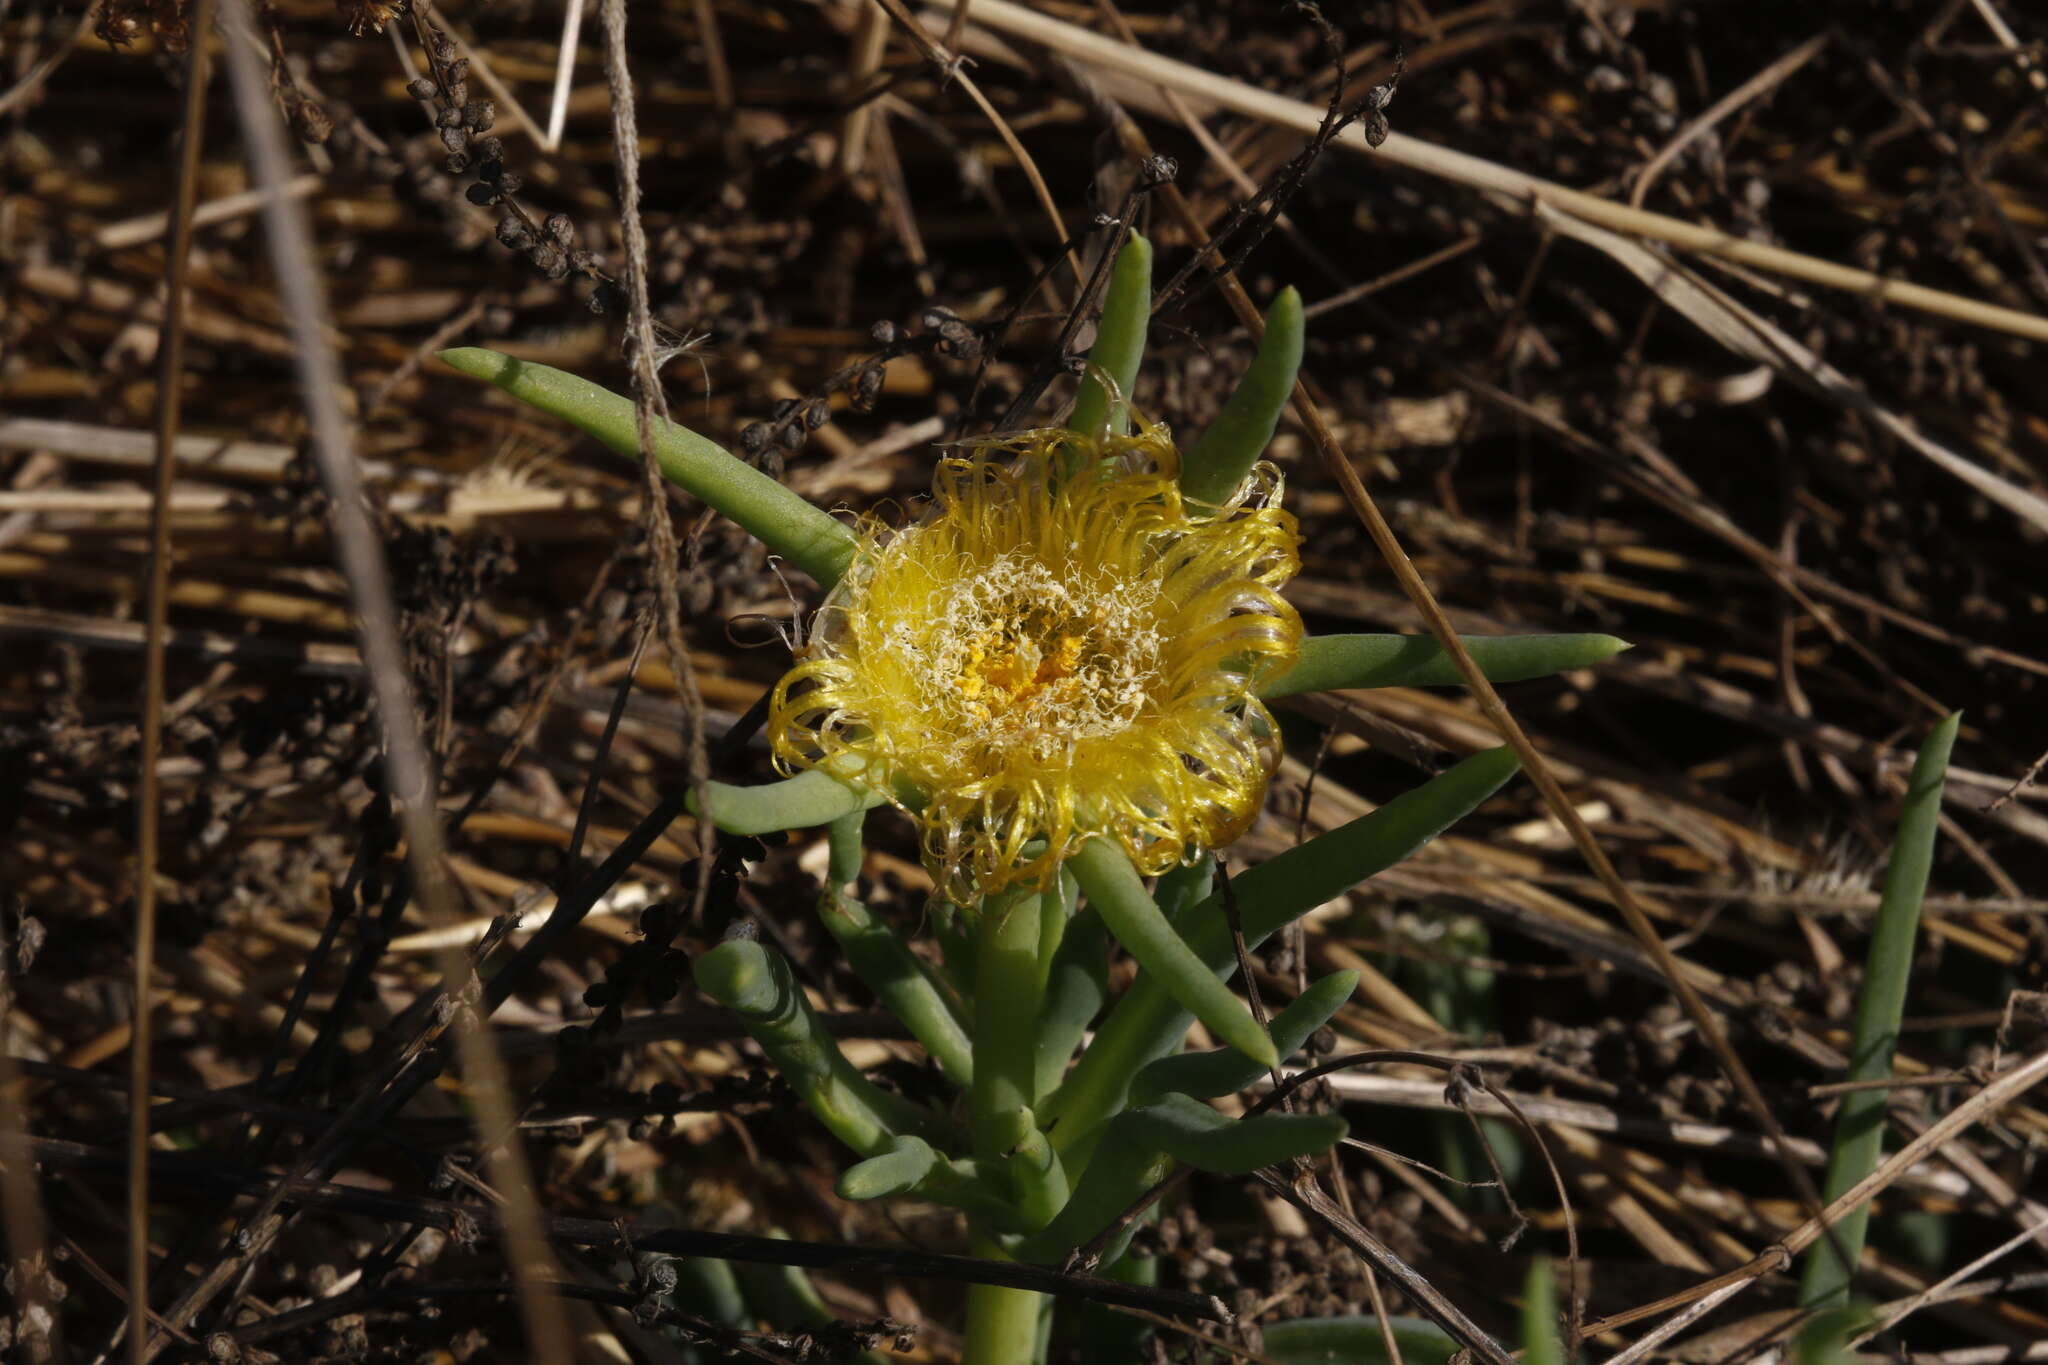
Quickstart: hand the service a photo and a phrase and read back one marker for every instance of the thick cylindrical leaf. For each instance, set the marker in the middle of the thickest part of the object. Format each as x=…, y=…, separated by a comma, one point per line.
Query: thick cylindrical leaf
x=1138, y=1150
x=1119, y=1172
x=885, y=963
x=784, y=1296
x=1860, y=1123
x=754, y=982
x=1006, y=1000
x=1205, y=1075
x=791, y=527
x=1006, y=997
x=1075, y=991
x=1184, y=885
x=712, y=1290
x=1217, y=463
x=880, y=958
x=1354, y=1341
x=1329, y=662
x=1119, y=896
x=809, y=798
x=1541, y=1344
x=1055, y=908
x=1189, y=1131
x=898, y=1170
x=1119, y=344
x=1148, y=1021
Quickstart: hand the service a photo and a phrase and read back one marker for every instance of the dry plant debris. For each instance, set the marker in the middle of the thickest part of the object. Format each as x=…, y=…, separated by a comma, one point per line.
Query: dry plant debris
x=1817, y=515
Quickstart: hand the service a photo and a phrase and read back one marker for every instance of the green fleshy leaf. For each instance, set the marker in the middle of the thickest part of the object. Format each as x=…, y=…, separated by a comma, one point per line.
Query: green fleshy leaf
x=1824, y=1339
x=1354, y=1341
x=1184, y=885
x=1135, y=1153
x=1205, y=1075
x=785, y=1297
x=1119, y=1172
x=1541, y=1344
x=1338, y=661
x=1191, y=1132
x=881, y=959
x=898, y=1170
x=754, y=982
x=791, y=527
x=1075, y=991
x=1119, y=896
x=1148, y=1020
x=1119, y=343
x=809, y=798
x=1860, y=1122
x=1214, y=466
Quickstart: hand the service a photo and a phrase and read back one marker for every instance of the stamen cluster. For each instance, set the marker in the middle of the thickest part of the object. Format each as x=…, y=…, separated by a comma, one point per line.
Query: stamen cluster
x=1061, y=647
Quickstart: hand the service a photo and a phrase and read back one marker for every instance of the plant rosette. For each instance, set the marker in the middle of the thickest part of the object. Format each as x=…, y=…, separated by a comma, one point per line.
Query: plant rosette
x=1059, y=670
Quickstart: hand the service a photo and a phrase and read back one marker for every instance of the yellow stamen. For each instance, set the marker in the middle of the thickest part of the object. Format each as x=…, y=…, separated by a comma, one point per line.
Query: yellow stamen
x=1058, y=648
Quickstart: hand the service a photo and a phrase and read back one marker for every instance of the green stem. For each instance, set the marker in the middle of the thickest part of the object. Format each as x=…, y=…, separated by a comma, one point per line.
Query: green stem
x=1006, y=996
x=1007, y=993
x=1002, y=1324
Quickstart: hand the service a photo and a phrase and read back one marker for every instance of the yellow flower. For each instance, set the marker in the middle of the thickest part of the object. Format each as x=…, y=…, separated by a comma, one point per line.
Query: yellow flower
x=1060, y=647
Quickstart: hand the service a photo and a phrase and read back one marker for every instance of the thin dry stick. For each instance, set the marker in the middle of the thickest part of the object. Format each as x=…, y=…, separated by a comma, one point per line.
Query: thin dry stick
x=25, y=1234
x=26, y=87
x=1705, y=1297
x=410, y=775
x=150, y=226
x=950, y=61
x=717, y=71
x=1478, y=173
x=1771, y=76
x=1996, y=23
x=149, y=790
x=565, y=71
x=956, y=25
x=870, y=40
x=650, y=403
x=1934, y=1293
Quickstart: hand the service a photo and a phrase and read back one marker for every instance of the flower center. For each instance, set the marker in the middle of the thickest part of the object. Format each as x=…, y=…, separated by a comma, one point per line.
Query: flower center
x=1021, y=657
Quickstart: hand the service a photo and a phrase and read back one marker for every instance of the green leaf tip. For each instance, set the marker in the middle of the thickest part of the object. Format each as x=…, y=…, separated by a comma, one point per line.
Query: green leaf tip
x=1220, y=458
x=789, y=526
x=898, y=1170
x=1119, y=343
x=1205, y=1075
x=1330, y=662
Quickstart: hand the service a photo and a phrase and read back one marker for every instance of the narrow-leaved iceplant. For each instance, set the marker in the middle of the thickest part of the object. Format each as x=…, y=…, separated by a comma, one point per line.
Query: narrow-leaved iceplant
x=1059, y=672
